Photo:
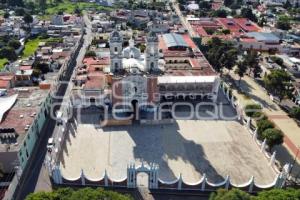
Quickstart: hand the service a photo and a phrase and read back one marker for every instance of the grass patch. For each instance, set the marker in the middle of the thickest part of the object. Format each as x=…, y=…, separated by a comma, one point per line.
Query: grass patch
x=69, y=7
x=3, y=61
x=30, y=47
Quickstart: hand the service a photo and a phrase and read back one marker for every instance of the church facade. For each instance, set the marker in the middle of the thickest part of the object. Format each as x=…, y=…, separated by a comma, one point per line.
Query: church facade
x=169, y=69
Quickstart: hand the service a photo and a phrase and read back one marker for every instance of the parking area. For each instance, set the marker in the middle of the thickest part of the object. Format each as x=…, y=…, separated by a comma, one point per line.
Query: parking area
x=191, y=147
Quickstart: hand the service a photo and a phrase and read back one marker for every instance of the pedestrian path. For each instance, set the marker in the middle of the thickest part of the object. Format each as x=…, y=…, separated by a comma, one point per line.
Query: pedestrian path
x=286, y=124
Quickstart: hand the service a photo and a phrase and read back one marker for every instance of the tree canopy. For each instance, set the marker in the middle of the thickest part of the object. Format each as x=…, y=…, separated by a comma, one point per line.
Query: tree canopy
x=273, y=137
x=274, y=194
x=82, y=194
x=233, y=194
x=252, y=62
x=278, y=82
x=247, y=13
x=221, y=54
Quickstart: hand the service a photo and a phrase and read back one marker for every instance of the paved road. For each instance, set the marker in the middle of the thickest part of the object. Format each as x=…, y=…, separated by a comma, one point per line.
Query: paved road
x=183, y=20
x=38, y=179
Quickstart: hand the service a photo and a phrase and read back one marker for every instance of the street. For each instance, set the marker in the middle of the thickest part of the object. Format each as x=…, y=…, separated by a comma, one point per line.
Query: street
x=35, y=176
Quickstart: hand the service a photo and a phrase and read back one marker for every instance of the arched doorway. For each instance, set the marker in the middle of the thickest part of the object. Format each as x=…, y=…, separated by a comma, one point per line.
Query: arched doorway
x=142, y=179
x=135, y=106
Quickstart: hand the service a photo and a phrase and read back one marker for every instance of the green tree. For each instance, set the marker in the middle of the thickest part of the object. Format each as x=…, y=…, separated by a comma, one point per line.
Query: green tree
x=219, y=13
x=252, y=62
x=247, y=13
x=283, y=23
x=279, y=194
x=273, y=137
x=82, y=194
x=20, y=12
x=6, y=15
x=233, y=194
x=251, y=110
x=228, y=3
x=90, y=54
x=221, y=54
x=14, y=44
x=9, y=53
x=278, y=83
x=15, y=3
x=277, y=60
x=28, y=19
x=295, y=113
x=240, y=70
x=263, y=125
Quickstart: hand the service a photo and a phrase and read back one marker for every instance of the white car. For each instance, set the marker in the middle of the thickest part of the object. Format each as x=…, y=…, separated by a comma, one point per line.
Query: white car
x=50, y=144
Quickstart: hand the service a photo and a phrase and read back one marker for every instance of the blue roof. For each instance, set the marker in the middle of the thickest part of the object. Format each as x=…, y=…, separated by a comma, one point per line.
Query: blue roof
x=260, y=36
x=174, y=40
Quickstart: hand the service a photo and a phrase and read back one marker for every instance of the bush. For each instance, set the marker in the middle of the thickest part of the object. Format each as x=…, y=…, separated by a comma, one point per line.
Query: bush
x=263, y=125
x=273, y=137
x=251, y=110
x=295, y=113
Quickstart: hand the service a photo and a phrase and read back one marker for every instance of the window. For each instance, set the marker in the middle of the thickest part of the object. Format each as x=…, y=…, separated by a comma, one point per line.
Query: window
x=24, y=143
x=152, y=65
x=116, y=49
x=27, y=155
x=116, y=66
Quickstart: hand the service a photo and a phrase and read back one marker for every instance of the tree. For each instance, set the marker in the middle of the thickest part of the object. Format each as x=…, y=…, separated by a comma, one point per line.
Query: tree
x=219, y=13
x=233, y=194
x=252, y=62
x=28, y=19
x=14, y=44
x=221, y=54
x=287, y=4
x=283, y=23
x=274, y=194
x=279, y=194
x=6, y=15
x=9, y=53
x=273, y=137
x=263, y=125
x=20, y=12
x=252, y=109
x=90, y=54
x=229, y=57
x=240, y=70
x=277, y=60
x=228, y=3
x=19, y=3
x=295, y=113
x=77, y=11
x=247, y=13
x=278, y=83
x=83, y=194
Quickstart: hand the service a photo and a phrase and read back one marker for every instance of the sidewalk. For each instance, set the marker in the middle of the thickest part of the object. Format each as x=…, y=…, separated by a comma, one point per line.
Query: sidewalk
x=281, y=120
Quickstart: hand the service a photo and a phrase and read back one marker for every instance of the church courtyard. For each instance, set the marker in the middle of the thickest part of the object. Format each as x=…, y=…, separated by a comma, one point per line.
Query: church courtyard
x=192, y=147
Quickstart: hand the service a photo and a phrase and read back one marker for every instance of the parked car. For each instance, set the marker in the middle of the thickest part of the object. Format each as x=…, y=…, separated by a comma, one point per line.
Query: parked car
x=50, y=144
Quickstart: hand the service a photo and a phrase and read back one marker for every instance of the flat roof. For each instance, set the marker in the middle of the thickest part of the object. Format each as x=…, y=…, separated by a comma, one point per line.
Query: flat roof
x=185, y=79
x=174, y=40
x=263, y=36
